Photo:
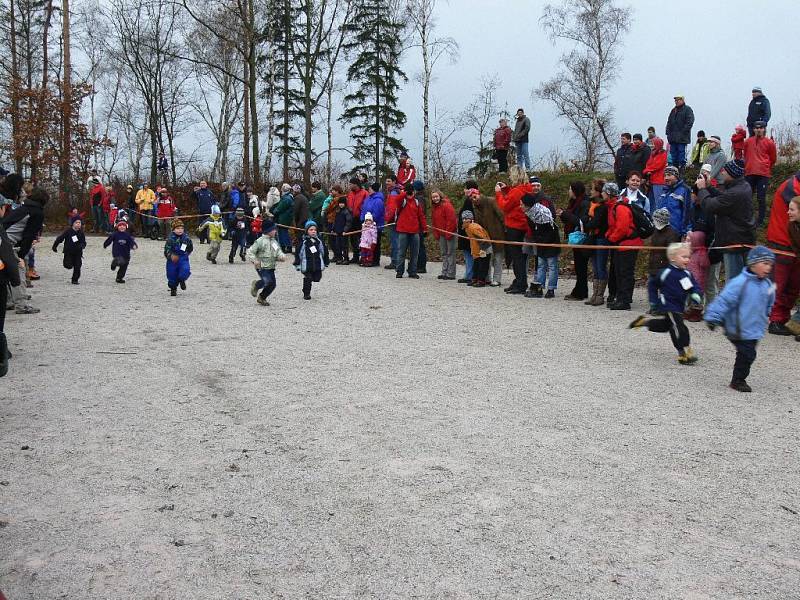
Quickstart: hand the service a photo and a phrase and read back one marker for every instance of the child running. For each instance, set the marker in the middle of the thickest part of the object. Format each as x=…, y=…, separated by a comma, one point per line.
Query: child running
x=264, y=253
x=673, y=285
x=121, y=243
x=74, y=243
x=215, y=229
x=743, y=308
x=310, y=258
x=239, y=230
x=176, y=251
x=369, y=241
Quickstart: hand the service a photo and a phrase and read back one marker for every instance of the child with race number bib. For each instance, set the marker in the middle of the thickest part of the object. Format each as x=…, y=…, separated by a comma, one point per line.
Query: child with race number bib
x=310, y=258
x=74, y=243
x=238, y=230
x=177, y=250
x=215, y=228
x=264, y=254
x=673, y=285
x=121, y=243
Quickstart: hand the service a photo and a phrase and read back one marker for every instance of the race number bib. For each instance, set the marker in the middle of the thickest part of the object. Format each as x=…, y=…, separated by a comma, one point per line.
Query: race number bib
x=75, y=239
x=183, y=247
x=686, y=283
x=313, y=249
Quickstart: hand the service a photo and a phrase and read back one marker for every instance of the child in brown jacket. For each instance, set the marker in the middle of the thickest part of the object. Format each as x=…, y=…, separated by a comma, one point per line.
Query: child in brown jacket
x=479, y=249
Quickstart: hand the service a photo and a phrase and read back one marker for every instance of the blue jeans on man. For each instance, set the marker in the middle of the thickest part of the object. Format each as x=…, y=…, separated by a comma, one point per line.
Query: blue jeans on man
x=523, y=157
x=734, y=263
x=407, y=241
x=677, y=154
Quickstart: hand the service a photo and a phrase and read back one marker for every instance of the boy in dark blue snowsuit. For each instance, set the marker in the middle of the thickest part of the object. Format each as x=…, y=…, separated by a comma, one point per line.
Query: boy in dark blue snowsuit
x=238, y=231
x=74, y=243
x=121, y=243
x=177, y=250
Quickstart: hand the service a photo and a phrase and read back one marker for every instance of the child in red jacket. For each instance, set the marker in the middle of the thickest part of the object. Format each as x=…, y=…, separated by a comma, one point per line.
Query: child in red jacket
x=737, y=141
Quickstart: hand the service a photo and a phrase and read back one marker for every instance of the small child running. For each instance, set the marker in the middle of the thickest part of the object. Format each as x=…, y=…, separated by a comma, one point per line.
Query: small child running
x=177, y=250
x=743, y=308
x=310, y=258
x=239, y=230
x=121, y=243
x=264, y=253
x=673, y=286
x=215, y=229
x=74, y=243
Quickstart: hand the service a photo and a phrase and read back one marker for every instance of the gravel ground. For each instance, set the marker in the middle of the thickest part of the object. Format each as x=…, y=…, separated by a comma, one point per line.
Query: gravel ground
x=388, y=439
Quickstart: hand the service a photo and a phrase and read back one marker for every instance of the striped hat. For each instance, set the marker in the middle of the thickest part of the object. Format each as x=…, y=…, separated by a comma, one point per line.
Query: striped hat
x=734, y=168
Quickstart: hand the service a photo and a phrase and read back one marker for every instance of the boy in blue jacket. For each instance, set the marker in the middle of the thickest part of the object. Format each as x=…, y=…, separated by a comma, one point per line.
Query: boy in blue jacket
x=74, y=243
x=176, y=251
x=743, y=309
x=673, y=286
x=310, y=260
x=121, y=243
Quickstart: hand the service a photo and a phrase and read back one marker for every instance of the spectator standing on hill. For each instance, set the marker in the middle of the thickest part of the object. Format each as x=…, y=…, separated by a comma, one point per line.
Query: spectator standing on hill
x=651, y=136
x=502, y=141
x=716, y=156
x=640, y=152
x=699, y=150
x=654, y=171
x=679, y=132
x=509, y=199
x=760, y=155
x=758, y=110
x=622, y=159
x=522, y=130
x=676, y=198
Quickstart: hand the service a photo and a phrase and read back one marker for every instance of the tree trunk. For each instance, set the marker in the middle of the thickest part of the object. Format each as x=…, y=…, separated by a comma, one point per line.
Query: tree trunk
x=426, y=88
x=251, y=47
x=66, y=139
x=286, y=104
x=40, y=109
x=14, y=92
x=246, y=126
x=329, y=162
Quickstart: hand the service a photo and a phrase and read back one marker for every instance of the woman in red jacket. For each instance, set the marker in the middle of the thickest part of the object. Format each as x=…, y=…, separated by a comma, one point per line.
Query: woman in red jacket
x=654, y=171
x=622, y=232
x=783, y=225
x=445, y=224
x=509, y=199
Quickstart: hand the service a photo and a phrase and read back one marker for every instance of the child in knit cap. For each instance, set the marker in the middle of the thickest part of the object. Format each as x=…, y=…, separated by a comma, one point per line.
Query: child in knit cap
x=737, y=142
x=663, y=236
x=673, y=285
x=264, y=254
x=743, y=310
x=239, y=230
x=74, y=243
x=310, y=260
x=177, y=250
x=369, y=241
x=479, y=249
x=121, y=243
x=216, y=233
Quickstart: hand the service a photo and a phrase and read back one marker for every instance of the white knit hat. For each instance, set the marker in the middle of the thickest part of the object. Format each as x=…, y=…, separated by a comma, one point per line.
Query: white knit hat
x=368, y=217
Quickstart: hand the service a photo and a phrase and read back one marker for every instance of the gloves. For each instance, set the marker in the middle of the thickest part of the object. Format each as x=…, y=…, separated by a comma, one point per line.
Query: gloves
x=696, y=298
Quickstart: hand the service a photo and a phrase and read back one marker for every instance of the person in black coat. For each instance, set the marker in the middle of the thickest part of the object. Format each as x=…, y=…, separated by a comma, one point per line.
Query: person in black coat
x=622, y=159
x=74, y=243
x=9, y=276
x=679, y=132
x=758, y=110
x=575, y=217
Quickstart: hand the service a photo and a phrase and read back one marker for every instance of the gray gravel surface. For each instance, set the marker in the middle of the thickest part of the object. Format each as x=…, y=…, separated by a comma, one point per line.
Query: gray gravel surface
x=388, y=439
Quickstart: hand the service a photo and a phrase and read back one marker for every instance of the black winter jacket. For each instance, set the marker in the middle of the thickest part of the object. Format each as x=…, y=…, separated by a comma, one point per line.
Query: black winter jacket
x=733, y=209
x=679, y=125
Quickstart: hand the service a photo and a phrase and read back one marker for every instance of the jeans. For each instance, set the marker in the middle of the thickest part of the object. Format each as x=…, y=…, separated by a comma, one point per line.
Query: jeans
x=497, y=265
x=677, y=154
x=469, y=263
x=545, y=265
x=340, y=247
x=745, y=357
x=655, y=193
x=393, y=245
x=600, y=260
x=447, y=248
x=523, y=158
x=268, y=283
x=734, y=264
x=625, y=267
x=99, y=218
x=759, y=184
x=407, y=241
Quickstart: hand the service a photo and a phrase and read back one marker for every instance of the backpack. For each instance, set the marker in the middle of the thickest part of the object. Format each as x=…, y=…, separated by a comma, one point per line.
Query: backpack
x=642, y=223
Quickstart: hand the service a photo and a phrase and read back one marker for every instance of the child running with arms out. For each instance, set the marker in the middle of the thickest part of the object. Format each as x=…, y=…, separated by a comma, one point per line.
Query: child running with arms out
x=177, y=250
x=74, y=243
x=743, y=309
x=121, y=243
x=310, y=259
x=264, y=253
x=673, y=285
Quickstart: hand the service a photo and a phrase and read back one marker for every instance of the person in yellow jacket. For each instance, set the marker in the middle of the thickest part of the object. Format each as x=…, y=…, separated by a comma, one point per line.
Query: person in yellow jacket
x=145, y=198
x=216, y=232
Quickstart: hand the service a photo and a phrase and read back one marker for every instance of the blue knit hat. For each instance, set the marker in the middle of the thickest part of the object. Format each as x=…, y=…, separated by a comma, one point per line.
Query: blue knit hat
x=418, y=186
x=760, y=254
x=735, y=168
x=310, y=223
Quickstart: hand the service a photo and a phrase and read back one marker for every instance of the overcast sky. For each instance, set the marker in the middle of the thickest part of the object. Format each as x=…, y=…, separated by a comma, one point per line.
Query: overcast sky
x=713, y=52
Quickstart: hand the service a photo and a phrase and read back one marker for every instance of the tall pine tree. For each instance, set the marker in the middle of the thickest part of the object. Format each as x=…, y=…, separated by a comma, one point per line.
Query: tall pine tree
x=375, y=45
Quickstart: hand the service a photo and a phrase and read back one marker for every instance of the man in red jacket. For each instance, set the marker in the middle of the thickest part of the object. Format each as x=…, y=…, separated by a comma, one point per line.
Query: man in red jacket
x=355, y=198
x=411, y=223
x=502, y=141
x=622, y=232
x=786, y=272
x=760, y=155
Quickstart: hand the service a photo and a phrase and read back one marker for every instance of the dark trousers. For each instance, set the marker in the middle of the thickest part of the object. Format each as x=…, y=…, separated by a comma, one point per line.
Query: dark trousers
x=480, y=269
x=203, y=235
x=624, y=266
x=410, y=242
x=355, y=240
x=745, y=357
x=502, y=159
x=3, y=302
x=268, y=282
x=612, y=275
x=422, y=256
x=340, y=247
x=673, y=323
x=519, y=261
x=308, y=278
x=376, y=256
x=238, y=242
x=74, y=262
x=759, y=184
x=581, y=258
x=121, y=265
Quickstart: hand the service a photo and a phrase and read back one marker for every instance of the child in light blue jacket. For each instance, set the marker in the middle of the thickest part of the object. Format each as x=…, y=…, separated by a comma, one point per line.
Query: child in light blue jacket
x=743, y=309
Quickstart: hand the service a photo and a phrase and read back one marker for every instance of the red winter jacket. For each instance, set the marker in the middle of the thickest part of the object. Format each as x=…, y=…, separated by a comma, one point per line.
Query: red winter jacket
x=410, y=216
x=737, y=141
x=166, y=207
x=355, y=200
x=109, y=198
x=444, y=217
x=509, y=200
x=390, y=205
x=97, y=195
x=778, y=228
x=502, y=137
x=759, y=156
x=656, y=163
x=406, y=173
x=621, y=226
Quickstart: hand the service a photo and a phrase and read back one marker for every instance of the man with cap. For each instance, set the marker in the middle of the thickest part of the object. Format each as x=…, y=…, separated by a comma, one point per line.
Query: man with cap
x=204, y=198
x=679, y=132
x=760, y=155
x=715, y=156
x=675, y=197
x=759, y=110
x=699, y=150
x=732, y=205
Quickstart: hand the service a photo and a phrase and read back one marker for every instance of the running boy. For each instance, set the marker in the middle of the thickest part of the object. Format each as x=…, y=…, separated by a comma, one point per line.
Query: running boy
x=74, y=243
x=264, y=254
x=121, y=243
x=176, y=251
x=216, y=232
x=239, y=230
x=310, y=258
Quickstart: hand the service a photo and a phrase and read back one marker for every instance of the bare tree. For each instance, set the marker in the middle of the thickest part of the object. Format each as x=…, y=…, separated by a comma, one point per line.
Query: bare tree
x=421, y=15
x=579, y=91
x=478, y=117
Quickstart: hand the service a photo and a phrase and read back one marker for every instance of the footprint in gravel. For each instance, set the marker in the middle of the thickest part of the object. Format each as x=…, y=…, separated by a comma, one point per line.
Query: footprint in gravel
x=25, y=448
x=233, y=467
x=178, y=543
x=166, y=507
x=227, y=513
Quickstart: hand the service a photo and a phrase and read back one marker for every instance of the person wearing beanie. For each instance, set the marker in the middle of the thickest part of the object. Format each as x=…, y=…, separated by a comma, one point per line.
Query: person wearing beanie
x=310, y=259
x=676, y=197
x=214, y=228
x=758, y=109
x=121, y=243
x=541, y=222
x=699, y=150
x=622, y=231
x=283, y=212
x=489, y=216
x=355, y=199
x=411, y=225
x=640, y=152
x=674, y=285
x=74, y=243
x=679, y=132
x=731, y=206
x=177, y=249
x=715, y=157
x=760, y=155
x=239, y=230
x=480, y=248
x=622, y=159
x=663, y=236
x=342, y=222
x=444, y=224
x=470, y=190
x=265, y=254
x=374, y=205
x=654, y=171
x=369, y=241
x=743, y=309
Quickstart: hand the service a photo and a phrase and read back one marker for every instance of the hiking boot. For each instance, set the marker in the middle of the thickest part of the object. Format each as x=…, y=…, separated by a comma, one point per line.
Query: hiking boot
x=390, y=267
x=262, y=301
x=213, y=261
x=173, y=291
x=399, y=276
x=572, y=296
x=601, y=290
x=182, y=284
x=740, y=385
x=306, y=296
x=535, y=291
x=688, y=357
x=638, y=322
x=478, y=284
x=551, y=294
x=515, y=291
x=75, y=282
x=413, y=276
x=208, y=256
x=253, y=288
x=230, y=260
x=464, y=280
x=793, y=326
x=620, y=306
x=118, y=280
x=776, y=328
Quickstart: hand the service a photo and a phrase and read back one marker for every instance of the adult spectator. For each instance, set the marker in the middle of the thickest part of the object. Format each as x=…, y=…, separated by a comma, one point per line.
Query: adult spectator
x=470, y=187
x=410, y=224
x=575, y=217
x=640, y=152
x=509, y=199
x=315, y=202
x=676, y=198
x=406, y=172
x=502, y=141
x=622, y=159
x=302, y=213
x=392, y=193
x=355, y=198
x=760, y=156
x=654, y=170
x=522, y=130
x=699, y=150
x=758, y=110
x=716, y=156
x=363, y=180
x=679, y=132
x=445, y=223
x=632, y=192
x=732, y=207
x=9, y=277
x=651, y=136
x=622, y=232
x=204, y=201
x=786, y=273
x=131, y=206
x=489, y=216
x=283, y=212
x=97, y=198
x=145, y=199
x=375, y=204
x=422, y=255
x=23, y=226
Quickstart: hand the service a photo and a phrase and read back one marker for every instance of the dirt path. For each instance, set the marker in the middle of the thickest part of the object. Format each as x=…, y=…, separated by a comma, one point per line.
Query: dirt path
x=388, y=439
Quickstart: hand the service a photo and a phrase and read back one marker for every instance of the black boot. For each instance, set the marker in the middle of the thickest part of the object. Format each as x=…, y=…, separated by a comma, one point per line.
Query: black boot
x=4, y=354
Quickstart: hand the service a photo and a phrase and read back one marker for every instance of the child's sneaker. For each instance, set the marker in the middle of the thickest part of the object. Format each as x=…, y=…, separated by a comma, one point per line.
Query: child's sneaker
x=173, y=291
x=262, y=301
x=254, y=288
x=208, y=256
x=182, y=284
x=638, y=322
x=118, y=280
x=535, y=291
x=740, y=385
x=688, y=357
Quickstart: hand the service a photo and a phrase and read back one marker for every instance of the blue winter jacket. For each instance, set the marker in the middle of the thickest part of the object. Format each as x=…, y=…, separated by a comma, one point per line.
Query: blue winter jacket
x=204, y=201
x=743, y=307
x=235, y=198
x=676, y=200
x=674, y=286
x=374, y=204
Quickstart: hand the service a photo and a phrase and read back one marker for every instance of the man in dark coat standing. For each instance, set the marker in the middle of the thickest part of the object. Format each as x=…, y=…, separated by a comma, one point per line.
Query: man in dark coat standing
x=759, y=110
x=679, y=132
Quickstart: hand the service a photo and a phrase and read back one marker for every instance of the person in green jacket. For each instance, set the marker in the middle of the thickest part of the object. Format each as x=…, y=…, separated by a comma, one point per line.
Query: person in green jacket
x=283, y=212
x=265, y=254
x=318, y=196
